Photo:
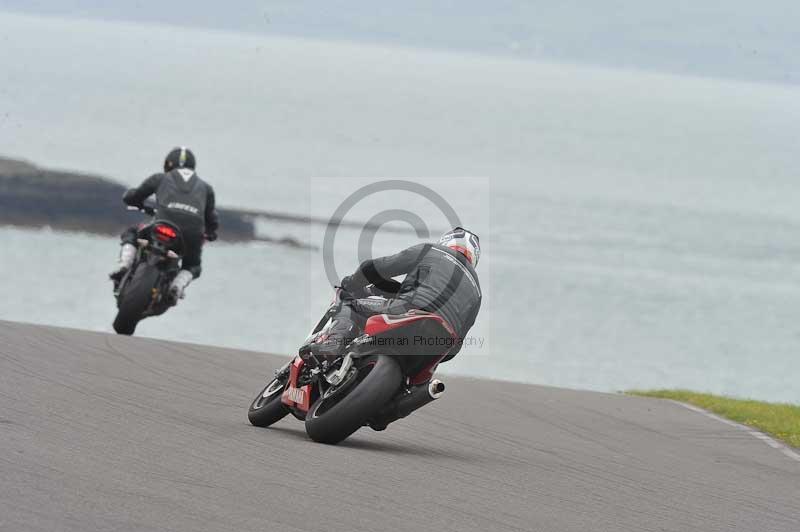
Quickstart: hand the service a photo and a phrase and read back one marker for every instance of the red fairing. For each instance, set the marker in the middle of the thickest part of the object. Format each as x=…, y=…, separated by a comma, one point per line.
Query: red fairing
x=293, y=396
x=383, y=322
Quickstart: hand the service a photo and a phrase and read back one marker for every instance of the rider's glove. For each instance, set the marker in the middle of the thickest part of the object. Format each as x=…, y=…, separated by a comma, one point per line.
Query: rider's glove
x=348, y=284
x=354, y=286
x=211, y=236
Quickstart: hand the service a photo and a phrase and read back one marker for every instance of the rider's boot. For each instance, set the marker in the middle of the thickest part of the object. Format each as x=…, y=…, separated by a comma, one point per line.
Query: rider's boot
x=177, y=289
x=127, y=253
x=330, y=344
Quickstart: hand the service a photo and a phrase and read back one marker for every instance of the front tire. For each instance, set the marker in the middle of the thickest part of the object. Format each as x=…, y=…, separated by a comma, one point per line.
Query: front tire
x=136, y=296
x=379, y=379
x=267, y=407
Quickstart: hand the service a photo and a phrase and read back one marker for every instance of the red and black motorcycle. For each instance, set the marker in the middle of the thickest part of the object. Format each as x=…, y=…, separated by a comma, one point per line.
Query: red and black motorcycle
x=382, y=376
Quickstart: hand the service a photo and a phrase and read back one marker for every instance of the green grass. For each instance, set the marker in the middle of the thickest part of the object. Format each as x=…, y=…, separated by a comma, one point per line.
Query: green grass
x=779, y=420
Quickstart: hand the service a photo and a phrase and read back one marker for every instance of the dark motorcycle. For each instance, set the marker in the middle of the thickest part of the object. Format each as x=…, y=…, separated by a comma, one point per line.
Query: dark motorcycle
x=382, y=376
x=144, y=289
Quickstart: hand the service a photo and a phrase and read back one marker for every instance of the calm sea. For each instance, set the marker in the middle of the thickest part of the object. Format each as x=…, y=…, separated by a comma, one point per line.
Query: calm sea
x=640, y=230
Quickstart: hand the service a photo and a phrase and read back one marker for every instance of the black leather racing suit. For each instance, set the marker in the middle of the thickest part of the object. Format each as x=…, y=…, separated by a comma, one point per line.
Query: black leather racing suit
x=438, y=280
x=185, y=200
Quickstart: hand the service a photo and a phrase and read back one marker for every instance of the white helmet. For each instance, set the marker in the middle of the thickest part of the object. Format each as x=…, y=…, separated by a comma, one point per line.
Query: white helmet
x=465, y=242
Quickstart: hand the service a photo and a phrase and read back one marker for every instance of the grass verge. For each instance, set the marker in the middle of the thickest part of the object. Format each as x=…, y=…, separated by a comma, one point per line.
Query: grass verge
x=779, y=420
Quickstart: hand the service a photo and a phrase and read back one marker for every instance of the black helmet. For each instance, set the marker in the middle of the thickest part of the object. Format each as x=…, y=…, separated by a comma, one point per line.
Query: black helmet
x=181, y=157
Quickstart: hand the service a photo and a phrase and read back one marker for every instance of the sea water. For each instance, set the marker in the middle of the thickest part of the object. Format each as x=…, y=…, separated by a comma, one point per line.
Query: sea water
x=639, y=229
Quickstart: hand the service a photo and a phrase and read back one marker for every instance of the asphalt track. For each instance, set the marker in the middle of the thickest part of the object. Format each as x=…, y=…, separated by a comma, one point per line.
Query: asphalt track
x=105, y=433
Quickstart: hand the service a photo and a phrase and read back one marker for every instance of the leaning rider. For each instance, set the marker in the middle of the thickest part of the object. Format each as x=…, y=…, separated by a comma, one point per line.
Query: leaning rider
x=440, y=278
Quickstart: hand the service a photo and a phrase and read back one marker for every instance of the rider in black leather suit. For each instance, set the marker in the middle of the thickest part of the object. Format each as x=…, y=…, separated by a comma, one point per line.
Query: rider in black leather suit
x=183, y=199
x=440, y=278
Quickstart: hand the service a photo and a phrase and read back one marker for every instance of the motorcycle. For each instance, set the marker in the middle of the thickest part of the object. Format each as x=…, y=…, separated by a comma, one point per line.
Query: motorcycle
x=144, y=289
x=382, y=376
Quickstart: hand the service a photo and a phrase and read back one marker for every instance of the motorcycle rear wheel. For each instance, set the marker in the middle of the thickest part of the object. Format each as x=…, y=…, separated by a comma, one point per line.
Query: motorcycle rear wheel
x=333, y=418
x=135, y=297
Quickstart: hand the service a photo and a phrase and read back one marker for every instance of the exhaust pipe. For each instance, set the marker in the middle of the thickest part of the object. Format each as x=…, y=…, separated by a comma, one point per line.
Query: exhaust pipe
x=401, y=407
x=435, y=388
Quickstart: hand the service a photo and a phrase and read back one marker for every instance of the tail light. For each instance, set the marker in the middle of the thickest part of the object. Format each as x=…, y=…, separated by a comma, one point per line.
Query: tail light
x=165, y=233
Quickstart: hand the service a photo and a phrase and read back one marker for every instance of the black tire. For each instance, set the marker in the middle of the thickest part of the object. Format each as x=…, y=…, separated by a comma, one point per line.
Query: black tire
x=134, y=299
x=380, y=378
x=266, y=410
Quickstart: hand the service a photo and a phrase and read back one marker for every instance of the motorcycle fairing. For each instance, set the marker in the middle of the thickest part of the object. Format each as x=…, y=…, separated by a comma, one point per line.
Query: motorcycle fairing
x=384, y=323
x=293, y=396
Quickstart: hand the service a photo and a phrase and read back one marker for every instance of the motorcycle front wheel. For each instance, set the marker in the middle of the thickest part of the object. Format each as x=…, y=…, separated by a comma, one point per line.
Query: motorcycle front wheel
x=335, y=416
x=267, y=407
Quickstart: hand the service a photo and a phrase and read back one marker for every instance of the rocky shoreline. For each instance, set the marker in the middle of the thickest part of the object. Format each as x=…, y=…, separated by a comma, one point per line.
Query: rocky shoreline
x=35, y=197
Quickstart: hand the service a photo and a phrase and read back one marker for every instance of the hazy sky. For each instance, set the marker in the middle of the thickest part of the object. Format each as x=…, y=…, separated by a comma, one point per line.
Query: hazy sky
x=738, y=39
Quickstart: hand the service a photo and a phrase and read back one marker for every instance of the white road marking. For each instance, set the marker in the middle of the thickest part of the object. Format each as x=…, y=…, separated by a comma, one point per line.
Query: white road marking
x=756, y=434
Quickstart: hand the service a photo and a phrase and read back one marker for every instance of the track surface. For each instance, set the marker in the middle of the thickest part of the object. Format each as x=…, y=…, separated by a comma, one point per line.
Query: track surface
x=99, y=432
